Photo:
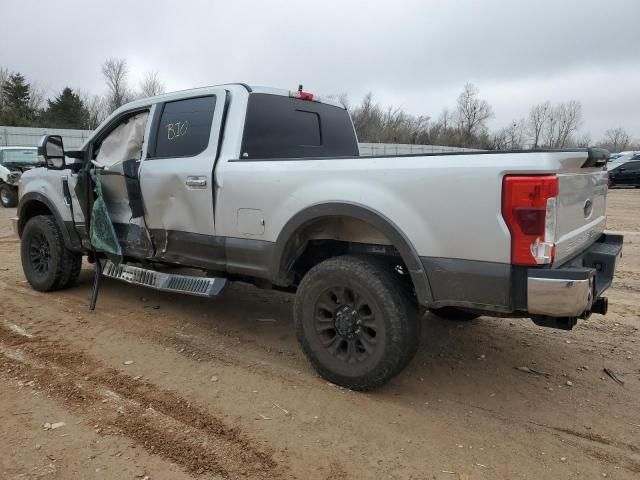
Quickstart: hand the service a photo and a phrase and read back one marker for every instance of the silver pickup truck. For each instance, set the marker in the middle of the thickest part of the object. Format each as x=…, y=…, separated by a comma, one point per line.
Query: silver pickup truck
x=187, y=191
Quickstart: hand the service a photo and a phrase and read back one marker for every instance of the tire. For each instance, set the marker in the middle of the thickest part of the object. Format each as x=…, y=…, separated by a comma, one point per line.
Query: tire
x=355, y=323
x=453, y=313
x=47, y=264
x=8, y=196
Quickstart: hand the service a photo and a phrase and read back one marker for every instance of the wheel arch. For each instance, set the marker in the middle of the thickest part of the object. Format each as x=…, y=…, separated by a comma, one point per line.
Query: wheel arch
x=288, y=244
x=32, y=204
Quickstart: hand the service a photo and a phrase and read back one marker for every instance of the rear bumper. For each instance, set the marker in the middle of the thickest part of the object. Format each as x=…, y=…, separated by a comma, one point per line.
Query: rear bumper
x=573, y=289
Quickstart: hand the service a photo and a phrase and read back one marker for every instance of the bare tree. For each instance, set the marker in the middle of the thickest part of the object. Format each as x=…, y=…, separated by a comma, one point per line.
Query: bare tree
x=96, y=109
x=472, y=112
x=115, y=71
x=446, y=118
x=538, y=117
x=569, y=119
x=510, y=137
x=367, y=119
x=562, y=122
x=4, y=76
x=550, y=130
x=150, y=86
x=583, y=141
x=37, y=96
x=343, y=98
x=616, y=139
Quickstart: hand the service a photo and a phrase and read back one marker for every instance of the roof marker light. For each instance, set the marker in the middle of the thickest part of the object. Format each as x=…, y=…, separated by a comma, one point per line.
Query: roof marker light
x=302, y=95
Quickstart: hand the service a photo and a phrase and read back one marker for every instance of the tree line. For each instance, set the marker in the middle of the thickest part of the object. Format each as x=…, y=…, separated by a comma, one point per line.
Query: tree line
x=465, y=125
x=547, y=125
x=24, y=103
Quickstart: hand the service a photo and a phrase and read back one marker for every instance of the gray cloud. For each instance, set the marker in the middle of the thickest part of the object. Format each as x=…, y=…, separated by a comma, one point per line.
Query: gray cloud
x=415, y=54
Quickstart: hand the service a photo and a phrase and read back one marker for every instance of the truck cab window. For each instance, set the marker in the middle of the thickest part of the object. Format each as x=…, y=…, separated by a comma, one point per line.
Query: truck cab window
x=184, y=127
x=282, y=127
x=123, y=143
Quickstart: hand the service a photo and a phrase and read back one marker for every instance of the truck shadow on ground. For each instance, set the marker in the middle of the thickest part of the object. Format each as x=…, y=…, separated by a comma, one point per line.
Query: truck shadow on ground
x=474, y=362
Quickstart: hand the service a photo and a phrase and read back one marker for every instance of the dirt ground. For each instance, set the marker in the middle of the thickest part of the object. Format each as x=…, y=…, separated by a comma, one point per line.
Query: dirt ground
x=162, y=386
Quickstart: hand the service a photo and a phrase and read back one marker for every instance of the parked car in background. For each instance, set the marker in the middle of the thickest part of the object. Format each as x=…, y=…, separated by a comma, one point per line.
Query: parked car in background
x=13, y=162
x=625, y=173
x=621, y=157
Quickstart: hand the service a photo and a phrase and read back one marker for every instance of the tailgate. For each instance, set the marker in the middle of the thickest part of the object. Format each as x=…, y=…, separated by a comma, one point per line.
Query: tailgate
x=581, y=209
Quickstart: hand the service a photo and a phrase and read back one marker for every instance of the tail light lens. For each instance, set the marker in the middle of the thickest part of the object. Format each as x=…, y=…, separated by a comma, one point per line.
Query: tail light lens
x=529, y=210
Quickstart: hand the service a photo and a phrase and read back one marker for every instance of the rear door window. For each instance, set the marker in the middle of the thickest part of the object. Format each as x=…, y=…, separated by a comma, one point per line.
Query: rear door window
x=282, y=127
x=184, y=127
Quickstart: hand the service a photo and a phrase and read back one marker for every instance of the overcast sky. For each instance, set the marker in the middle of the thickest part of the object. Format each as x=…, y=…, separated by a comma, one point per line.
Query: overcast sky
x=413, y=54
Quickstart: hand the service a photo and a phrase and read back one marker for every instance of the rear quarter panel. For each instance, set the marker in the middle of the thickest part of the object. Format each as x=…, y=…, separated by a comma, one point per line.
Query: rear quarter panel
x=448, y=206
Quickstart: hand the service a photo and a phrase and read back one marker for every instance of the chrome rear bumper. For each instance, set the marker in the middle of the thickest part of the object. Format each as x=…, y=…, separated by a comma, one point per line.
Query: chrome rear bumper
x=559, y=297
x=572, y=289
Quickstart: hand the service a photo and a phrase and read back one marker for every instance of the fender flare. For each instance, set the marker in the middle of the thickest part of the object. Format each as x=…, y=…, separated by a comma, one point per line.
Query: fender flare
x=346, y=209
x=35, y=197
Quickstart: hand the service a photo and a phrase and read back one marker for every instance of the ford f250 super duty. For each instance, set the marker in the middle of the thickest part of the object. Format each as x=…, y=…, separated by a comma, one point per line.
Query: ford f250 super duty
x=187, y=191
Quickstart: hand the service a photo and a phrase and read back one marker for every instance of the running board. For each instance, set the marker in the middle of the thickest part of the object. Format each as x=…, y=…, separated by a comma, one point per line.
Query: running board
x=167, y=282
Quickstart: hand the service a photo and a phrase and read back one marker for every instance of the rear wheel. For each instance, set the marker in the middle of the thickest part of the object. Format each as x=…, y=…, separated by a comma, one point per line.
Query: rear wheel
x=453, y=313
x=46, y=262
x=355, y=323
x=8, y=196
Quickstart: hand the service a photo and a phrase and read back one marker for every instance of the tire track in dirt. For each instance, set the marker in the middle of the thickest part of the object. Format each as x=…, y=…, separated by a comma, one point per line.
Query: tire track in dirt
x=160, y=421
x=594, y=437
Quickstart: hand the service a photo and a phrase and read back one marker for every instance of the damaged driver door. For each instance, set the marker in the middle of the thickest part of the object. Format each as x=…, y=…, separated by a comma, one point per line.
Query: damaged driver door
x=115, y=157
x=177, y=181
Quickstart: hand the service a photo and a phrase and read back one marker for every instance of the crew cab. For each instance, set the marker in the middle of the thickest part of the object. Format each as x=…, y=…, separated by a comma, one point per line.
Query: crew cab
x=188, y=191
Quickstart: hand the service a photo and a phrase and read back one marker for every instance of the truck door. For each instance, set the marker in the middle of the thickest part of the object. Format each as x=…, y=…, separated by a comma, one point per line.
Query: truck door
x=116, y=153
x=177, y=181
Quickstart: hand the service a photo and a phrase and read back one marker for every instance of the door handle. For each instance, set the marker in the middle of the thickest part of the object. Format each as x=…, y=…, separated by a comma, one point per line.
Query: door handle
x=196, y=182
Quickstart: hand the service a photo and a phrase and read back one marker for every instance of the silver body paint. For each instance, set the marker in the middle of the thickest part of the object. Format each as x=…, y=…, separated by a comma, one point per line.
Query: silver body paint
x=447, y=206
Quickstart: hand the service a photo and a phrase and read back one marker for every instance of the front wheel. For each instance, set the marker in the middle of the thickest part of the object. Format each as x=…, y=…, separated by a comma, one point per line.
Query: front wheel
x=46, y=262
x=356, y=324
x=8, y=196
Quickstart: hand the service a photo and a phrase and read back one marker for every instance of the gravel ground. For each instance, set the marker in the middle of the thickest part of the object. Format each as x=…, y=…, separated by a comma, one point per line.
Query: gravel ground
x=164, y=386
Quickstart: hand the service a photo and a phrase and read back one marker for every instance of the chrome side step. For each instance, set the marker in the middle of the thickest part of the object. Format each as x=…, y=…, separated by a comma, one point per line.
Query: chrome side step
x=167, y=282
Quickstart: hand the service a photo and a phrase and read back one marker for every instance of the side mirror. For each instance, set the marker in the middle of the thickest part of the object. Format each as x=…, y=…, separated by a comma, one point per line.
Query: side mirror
x=51, y=151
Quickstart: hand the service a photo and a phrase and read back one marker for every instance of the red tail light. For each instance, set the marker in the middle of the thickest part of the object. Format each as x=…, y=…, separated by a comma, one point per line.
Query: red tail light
x=529, y=210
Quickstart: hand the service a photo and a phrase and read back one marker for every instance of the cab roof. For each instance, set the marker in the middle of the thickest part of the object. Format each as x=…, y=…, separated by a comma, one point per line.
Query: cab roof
x=228, y=86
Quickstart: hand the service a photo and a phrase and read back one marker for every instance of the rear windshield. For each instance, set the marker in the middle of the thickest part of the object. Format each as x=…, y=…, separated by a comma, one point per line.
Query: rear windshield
x=27, y=155
x=284, y=127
